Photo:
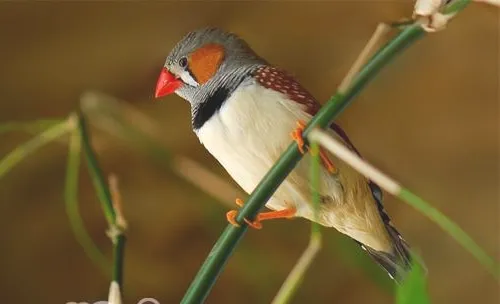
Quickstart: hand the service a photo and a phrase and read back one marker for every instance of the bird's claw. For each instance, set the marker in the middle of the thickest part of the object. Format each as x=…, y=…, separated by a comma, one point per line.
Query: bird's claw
x=239, y=202
x=297, y=136
x=327, y=163
x=231, y=218
x=256, y=224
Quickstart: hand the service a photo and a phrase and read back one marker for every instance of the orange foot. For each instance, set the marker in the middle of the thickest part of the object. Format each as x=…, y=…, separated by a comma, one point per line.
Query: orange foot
x=256, y=224
x=297, y=136
x=327, y=163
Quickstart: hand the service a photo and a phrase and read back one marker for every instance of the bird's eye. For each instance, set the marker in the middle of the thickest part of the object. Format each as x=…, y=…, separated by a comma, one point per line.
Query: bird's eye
x=183, y=62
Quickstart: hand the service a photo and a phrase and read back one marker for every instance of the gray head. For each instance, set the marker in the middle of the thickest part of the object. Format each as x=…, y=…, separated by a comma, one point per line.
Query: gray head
x=203, y=61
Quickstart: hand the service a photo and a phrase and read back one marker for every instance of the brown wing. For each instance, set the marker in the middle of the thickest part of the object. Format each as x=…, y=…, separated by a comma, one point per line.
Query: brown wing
x=279, y=80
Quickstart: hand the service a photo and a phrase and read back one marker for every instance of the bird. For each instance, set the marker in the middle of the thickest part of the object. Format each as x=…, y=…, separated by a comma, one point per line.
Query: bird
x=246, y=111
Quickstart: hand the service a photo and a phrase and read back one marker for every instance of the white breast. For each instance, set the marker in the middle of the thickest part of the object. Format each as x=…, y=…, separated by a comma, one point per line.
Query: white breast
x=249, y=133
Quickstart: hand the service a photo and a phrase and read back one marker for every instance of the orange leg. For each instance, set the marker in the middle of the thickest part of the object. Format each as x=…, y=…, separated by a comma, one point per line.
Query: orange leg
x=327, y=163
x=297, y=136
x=286, y=213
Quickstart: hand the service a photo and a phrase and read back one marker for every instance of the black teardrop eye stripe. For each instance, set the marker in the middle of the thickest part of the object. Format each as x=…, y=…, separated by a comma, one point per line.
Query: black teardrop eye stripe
x=209, y=107
x=214, y=102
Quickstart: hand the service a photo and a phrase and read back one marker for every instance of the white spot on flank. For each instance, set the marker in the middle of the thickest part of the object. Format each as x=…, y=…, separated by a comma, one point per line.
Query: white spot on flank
x=300, y=96
x=263, y=74
x=268, y=83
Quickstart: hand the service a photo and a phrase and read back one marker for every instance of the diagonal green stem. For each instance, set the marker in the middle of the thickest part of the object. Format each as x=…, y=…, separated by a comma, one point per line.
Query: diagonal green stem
x=25, y=149
x=452, y=229
x=96, y=173
x=71, y=199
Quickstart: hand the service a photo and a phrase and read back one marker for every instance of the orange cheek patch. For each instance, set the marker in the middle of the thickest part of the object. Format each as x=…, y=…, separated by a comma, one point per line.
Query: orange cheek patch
x=205, y=61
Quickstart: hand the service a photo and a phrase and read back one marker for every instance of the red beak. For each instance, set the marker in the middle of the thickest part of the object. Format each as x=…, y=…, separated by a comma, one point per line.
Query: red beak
x=167, y=83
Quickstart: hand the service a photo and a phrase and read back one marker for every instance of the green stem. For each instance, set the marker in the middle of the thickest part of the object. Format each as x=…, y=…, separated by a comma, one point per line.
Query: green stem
x=452, y=229
x=315, y=187
x=455, y=6
x=25, y=149
x=119, y=258
x=222, y=250
x=96, y=173
x=294, y=279
x=71, y=199
x=104, y=194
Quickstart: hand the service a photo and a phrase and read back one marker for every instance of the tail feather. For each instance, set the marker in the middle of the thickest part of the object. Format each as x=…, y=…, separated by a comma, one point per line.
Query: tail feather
x=398, y=262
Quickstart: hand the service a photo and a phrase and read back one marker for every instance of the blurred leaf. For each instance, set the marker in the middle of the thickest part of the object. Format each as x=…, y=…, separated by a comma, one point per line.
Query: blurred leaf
x=29, y=126
x=452, y=229
x=71, y=200
x=30, y=146
x=414, y=288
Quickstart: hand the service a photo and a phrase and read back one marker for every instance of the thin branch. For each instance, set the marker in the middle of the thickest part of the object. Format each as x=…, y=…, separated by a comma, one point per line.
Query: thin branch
x=118, y=238
x=30, y=146
x=104, y=193
x=71, y=202
x=409, y=197
x=295, y=277
x=207, y=181
x=116, y=118
x=96, y=173
x=29, y=126
x=298, y=272
x=381, y=30
x=117, y=201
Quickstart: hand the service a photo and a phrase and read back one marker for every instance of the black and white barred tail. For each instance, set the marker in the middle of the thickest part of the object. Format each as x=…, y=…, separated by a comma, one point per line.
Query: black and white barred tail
x=398, y=262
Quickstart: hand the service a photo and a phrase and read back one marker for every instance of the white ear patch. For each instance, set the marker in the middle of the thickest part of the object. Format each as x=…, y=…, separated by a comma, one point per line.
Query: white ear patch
x=186, y=78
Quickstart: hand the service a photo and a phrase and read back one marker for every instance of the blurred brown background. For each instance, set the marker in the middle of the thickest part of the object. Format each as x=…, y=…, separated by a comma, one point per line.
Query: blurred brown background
x=430, y=120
